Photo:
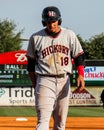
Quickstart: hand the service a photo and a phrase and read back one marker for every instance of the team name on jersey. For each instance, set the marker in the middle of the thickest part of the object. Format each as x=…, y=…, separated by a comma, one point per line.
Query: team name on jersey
x=54, y=49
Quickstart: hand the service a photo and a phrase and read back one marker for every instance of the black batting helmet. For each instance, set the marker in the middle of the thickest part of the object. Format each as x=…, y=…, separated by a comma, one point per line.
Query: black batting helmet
x=51, y=13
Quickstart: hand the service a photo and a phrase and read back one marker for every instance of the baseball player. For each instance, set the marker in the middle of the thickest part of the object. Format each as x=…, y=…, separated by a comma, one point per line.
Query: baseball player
x=49, y=66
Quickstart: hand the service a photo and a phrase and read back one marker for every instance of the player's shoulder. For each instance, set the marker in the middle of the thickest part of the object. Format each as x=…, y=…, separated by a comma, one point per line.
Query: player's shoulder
x=39, y=33
x=68, y=31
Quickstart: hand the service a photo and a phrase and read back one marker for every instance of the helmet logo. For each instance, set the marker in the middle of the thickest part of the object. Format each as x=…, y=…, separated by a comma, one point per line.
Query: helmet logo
x=51, y=14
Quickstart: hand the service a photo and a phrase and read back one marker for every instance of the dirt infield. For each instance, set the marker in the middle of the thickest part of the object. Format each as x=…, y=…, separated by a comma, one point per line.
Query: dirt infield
x=73, y=123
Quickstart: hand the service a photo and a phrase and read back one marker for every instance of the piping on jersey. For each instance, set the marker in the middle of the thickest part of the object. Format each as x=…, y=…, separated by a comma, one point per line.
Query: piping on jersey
x=56, y=73
x=54, y=59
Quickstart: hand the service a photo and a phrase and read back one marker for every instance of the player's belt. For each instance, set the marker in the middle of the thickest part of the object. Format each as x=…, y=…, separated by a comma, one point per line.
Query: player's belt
x=55, y=76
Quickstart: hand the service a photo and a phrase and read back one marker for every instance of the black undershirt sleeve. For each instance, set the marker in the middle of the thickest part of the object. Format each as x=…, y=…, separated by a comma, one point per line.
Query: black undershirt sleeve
x=31, y=65
x=79, y=60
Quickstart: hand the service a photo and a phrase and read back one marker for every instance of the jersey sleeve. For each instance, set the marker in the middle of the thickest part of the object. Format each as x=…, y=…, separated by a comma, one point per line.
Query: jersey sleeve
x=77, y=54
x=76, y=47
x=31, y=49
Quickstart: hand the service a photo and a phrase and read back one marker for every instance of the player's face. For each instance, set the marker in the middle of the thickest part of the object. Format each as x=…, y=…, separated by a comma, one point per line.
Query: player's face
x=52, y=26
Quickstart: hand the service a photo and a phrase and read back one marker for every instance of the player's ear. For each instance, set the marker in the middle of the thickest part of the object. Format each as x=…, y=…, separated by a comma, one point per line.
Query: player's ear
x=43, y=23
x=60, y=21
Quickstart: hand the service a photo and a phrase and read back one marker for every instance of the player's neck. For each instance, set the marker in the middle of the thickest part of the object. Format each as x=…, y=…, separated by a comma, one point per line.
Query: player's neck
x=53, y=34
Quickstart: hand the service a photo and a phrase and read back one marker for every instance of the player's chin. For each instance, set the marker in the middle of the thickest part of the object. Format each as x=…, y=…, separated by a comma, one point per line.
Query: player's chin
x=53, y=30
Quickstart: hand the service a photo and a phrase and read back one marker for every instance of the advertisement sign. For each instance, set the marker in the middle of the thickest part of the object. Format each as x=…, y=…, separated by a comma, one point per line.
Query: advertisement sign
x=24, y=96
x=15, y=57
x=82, y=98
x=19, y=96
x=13, y=69
x=94, y=75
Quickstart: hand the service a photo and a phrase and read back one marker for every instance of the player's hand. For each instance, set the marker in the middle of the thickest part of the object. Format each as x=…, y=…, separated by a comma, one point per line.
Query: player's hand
x=80, y=83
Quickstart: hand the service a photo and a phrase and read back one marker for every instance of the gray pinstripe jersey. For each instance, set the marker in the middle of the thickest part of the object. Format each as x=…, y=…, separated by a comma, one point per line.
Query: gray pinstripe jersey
x=53, y=54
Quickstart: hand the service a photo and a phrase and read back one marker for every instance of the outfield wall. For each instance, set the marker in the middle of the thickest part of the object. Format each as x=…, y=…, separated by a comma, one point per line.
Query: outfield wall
x=14, y=74
x=24, y=96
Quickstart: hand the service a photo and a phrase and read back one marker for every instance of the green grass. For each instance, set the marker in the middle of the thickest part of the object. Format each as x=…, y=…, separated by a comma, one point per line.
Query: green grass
x=73, y=111
x=86, y=111
x=17, y=111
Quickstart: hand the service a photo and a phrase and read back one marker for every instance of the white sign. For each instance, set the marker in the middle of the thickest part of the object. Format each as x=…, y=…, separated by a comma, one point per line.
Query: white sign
x=21, y=96
x=24, y=96
x=94, y=73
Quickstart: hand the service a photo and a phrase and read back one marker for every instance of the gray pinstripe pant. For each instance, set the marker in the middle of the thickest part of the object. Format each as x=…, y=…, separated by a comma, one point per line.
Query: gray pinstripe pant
x=52, y=98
